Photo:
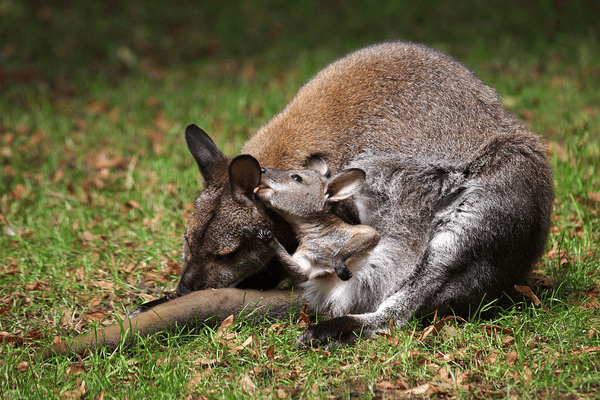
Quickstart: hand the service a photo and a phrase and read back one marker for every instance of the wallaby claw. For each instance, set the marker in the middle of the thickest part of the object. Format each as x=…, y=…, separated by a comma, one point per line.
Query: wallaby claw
x=265, y=235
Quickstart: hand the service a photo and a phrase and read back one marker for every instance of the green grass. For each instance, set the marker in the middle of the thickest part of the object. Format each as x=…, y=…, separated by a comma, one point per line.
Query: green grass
x=96, y=185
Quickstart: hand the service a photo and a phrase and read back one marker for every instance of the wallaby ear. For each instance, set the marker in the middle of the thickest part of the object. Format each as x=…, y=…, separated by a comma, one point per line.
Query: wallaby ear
x=318, y=164
x=244, y=176
x=211, y=162
x=344, y=184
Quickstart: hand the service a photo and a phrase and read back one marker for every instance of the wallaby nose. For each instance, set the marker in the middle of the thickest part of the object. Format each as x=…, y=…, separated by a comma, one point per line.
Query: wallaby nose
x=183, y=289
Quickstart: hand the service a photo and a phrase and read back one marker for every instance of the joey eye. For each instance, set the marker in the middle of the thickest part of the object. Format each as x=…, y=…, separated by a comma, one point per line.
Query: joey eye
x=297, y=178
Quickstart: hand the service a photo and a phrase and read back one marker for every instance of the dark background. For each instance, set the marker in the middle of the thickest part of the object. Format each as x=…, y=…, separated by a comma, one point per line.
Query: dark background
x=66, y=43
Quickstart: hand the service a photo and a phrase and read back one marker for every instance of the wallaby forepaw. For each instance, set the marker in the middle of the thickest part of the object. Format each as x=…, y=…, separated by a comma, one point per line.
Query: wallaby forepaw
x=341, y=270
x=345, y=274
x=265, y=235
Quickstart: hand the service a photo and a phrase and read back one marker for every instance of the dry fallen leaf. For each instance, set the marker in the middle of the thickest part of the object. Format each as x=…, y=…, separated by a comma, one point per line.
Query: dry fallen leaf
x=592, y=298
x=495, y=329
x=512, y=357
x=278, y=328
x=34, y=335
x=593, y=349
x=444, y=373
x=241, y=347
x=526, y=291
x=385, y=385
x=247, y=384
x=5, y=310
x=130, y=267
x=22, y=366
x=270, y=353
x=146, y=296
x=507, y=341
x=304, y=320
x=227, y=322
x=133, y=204
x=10, y=269
x=595, y=196
x=194, y=381
x=96, y=107
x=434, y=330
x=104, y=160
x=210, y=361
x=76, y=394
x=108, y=285
x=492, y=358
x=443, y=356
x=19, y=192
x=527, y=374
x=6, y=337
x=417, y=390
x=39, y=285
x=94, y=315
x=392, y=340
x=89, y=236
x=76, y=369
x=540, y=277
x=172, y=267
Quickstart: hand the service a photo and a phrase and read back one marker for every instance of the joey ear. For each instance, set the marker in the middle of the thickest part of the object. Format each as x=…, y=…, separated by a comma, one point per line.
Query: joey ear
x=344, y=184
x=316, y=163
x=244, y=176
x=211, y=162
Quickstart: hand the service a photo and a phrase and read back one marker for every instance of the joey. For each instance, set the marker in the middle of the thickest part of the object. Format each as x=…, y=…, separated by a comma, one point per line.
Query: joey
x=305, y=199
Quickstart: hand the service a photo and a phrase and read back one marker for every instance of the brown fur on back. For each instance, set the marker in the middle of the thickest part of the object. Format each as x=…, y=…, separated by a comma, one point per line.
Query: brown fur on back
x=396, y=96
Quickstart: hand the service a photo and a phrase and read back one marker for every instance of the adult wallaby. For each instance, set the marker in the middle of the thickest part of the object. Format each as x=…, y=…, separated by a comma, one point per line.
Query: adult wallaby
x=458, y=189
x=306, y=200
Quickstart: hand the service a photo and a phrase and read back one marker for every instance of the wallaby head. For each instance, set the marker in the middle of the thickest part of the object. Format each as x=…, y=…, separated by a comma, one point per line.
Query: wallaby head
x=220, y=247
x=296, y=194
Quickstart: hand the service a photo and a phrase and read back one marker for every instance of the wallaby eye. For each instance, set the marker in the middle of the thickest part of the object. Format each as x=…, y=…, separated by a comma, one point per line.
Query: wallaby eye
x=297, y=178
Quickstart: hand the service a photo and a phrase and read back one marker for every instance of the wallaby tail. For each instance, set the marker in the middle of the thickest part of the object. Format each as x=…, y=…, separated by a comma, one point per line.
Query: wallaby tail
x=197, y=309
